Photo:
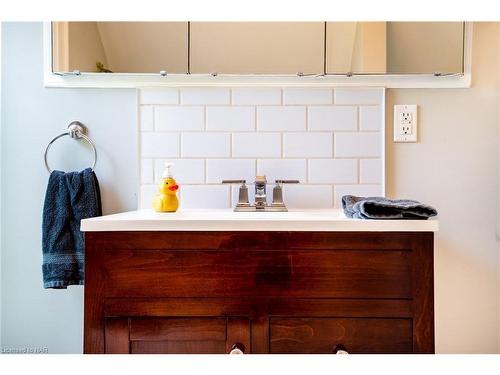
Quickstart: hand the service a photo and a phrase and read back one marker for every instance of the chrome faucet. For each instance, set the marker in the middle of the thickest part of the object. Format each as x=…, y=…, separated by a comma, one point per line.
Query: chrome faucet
x=277, y=204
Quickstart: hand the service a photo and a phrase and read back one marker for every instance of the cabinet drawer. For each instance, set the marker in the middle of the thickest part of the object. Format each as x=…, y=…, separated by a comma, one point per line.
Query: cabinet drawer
x=177, y=329
x=357, y=335
x=177, y=336
x=203, y=335
x=254, y=273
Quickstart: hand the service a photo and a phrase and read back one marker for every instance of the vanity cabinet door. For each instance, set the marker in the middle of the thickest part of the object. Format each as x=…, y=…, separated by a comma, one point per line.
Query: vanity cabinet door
x=203, y=335
x=327, y=335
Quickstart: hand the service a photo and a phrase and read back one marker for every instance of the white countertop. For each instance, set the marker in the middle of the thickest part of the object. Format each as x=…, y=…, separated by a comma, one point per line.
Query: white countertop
x=227, y=220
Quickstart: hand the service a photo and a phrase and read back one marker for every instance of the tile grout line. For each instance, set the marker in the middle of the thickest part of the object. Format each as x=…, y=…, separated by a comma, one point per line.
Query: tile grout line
x=259, y=104
x=261, y=157
x=205, y=110
x=154, y=170
x=307, y=118
x=282, y=145
x=358, y=167
x=205, y=174
x=154, y=117
x=255, y=122
x=308, y=178
x=231, y=141
x=333, y=145
x=358, y=118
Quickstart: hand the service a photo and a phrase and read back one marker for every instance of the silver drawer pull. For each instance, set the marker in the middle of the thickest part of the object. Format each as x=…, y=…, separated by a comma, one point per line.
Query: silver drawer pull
x=237, y=349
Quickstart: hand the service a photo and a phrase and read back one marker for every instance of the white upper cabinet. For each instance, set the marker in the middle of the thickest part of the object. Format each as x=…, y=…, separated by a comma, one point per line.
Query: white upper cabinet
x=356, y=47
x=121, y=47
x=134, y=54
x=395, y=47
x=257, y=47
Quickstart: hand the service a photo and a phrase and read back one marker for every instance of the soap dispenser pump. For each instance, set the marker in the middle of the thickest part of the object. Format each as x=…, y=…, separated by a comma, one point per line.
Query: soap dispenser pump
x=166, y=198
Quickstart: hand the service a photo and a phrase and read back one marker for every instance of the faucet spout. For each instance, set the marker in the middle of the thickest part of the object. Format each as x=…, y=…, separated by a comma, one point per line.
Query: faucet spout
x=260, y=192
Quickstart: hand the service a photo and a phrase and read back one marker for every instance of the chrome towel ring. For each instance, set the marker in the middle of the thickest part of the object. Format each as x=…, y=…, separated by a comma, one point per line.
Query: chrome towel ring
x=76, y=130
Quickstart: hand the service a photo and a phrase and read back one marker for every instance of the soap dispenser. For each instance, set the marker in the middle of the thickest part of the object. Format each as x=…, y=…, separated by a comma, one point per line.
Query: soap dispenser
x=166, y=198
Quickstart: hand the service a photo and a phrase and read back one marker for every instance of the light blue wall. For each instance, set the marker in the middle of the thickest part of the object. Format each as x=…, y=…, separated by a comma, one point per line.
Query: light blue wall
x=31, y=116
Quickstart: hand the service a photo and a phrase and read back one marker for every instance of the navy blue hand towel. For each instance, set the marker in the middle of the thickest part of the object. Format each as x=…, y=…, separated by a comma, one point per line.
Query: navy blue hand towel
x=383, y=208
x=70, y=197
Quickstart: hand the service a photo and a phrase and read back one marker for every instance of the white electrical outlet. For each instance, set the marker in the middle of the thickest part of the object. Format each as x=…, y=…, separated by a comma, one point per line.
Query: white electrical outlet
x=405, y=123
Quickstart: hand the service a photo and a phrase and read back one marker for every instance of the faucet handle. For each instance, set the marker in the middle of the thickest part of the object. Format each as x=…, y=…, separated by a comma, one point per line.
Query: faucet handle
x=278, y=194
x=243, y=193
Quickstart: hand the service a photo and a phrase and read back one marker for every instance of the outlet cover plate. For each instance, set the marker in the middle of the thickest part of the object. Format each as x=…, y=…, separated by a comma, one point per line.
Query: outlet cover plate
x=405, y=123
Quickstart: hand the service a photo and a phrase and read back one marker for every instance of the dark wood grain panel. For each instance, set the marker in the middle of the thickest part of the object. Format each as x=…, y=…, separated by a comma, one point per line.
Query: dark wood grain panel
x=423, y=295
x=175, y=329
x=238, y=332
x=257, y=307
x=261, y=240
x=260, y=334
x=334, y=274
x=321, y=335
x=178, y=347
x=93, y=334
x=117, y=336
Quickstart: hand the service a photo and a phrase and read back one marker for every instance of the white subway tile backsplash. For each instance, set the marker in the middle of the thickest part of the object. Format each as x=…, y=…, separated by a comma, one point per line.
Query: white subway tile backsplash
x=301, y=95
x=256, y=96
x=205, y=95
x=147, y=176
x=330, y=139
x=158, y=145
x=208, y=145
x=307, y=196
x=229, y=118
x=305, y=145
x=185, y=171
x=176, y=118
x=146, y=120
x=283, y=169
x=333, y=118
x=256, y=145
x=146, y=195
x=347, y=95
x=230, y=169
x=371, y=171
x=159, y=96
x=205, y=196
x=279, y=118
x=370, y=117
x=333, y=171
x=358, y=144
x=358, y=190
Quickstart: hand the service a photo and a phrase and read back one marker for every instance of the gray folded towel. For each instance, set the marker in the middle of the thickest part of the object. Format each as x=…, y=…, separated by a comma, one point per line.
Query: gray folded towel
x=70, y=197
x=383, y=208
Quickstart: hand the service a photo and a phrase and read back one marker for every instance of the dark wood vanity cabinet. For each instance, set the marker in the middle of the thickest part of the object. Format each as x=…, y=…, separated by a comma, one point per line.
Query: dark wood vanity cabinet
x=266, y=292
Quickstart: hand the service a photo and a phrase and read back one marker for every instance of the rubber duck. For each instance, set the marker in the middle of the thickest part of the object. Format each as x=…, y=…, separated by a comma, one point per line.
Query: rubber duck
x=166, y=198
